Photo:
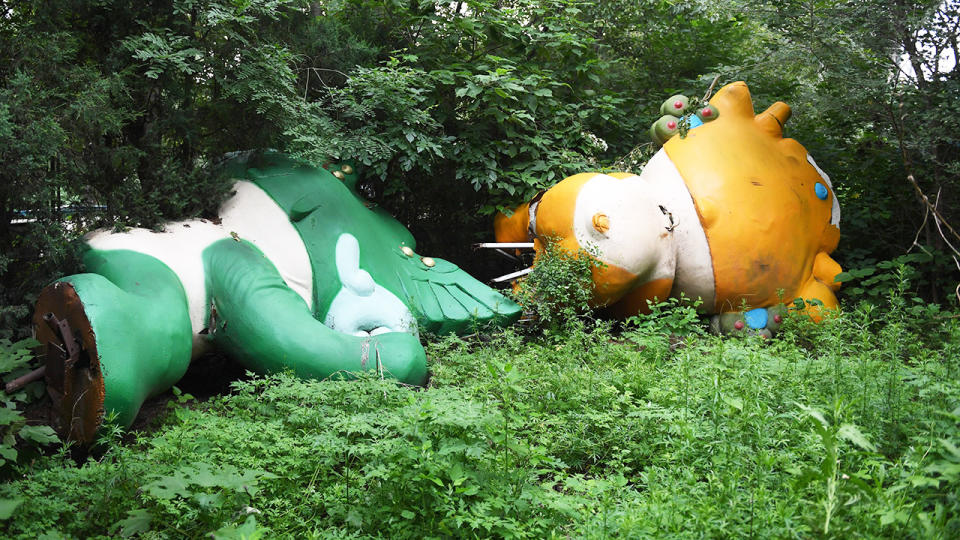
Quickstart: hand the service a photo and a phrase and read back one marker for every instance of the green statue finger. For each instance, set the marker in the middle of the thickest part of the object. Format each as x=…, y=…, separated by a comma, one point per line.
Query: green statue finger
x=675, y=105
x=709, y=113
x=664, y=128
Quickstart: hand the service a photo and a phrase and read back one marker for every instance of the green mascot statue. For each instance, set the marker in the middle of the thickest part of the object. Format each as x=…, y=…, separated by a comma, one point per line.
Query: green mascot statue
x=298, y=273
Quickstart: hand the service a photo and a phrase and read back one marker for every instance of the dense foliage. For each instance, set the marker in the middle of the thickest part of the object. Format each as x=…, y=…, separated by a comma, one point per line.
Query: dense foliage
x=848, y=428
x=110, y=112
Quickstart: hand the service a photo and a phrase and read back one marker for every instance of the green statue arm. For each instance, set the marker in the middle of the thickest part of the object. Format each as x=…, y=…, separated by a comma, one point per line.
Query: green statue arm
x=262, y=323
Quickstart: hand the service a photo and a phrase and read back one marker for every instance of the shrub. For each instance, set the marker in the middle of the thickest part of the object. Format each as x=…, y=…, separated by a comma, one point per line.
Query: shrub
x=559, y=288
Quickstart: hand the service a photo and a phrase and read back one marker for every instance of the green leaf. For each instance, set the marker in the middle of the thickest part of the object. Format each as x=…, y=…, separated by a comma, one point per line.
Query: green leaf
x=9, y=416
x=815, y=414
x=853, y=434
x=734, y=402
x=354, y=518
x=39, y=434
x=893, y=516
x=168, y=487
x=8, y=452
x=248, y=531
x=951, y=448
x=136, y=522
x=8, y=506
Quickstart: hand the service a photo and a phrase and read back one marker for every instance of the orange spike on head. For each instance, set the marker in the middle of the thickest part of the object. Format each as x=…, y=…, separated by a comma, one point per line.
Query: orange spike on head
x=772, y=120
x=734, y=99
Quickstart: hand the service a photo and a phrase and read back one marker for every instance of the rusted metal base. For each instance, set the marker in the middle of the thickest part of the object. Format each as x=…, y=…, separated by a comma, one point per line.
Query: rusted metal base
x=74, y=378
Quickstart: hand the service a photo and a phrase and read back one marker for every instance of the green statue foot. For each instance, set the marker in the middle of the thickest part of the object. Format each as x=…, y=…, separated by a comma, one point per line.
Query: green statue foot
x=111, y=342
x=760, y=321
x=73, y=375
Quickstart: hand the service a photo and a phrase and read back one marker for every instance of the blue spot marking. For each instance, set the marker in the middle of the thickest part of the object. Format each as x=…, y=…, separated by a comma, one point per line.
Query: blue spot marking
x=821, y=191
x=695, y=121
x=756, y=318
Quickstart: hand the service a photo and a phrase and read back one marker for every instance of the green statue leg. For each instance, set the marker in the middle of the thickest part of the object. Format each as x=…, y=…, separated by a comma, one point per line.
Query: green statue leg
x=113, y=338
x=261, y=322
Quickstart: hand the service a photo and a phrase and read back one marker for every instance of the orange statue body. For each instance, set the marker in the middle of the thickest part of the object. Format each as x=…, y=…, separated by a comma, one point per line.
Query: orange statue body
x=731, y=212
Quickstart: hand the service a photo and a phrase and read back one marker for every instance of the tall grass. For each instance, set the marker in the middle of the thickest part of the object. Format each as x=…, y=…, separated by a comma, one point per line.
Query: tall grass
x=846, y=428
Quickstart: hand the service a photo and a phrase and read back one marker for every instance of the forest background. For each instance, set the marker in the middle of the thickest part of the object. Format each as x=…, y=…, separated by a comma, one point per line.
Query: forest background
x=112, y=112
x=115, y=114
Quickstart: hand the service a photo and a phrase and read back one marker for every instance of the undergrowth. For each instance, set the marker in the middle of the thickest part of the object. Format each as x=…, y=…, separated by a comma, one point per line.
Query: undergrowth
x=845, y=428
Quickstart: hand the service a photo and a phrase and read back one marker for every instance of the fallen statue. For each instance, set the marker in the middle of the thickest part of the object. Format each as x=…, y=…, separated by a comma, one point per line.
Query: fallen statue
x=728, y=212
x=298, y=273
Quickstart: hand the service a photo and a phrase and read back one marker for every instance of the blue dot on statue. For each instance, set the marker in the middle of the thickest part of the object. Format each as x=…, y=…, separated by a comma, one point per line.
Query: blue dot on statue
x=821, y=191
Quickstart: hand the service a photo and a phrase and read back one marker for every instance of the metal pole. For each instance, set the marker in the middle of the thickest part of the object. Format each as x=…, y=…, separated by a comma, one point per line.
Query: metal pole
x=24, y=380
x=514, y=275
x=504, y=245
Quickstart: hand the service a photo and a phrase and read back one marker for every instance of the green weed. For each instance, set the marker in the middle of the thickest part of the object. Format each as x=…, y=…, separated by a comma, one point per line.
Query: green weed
x=845, y=428
x=16, y=360
x=558, y=289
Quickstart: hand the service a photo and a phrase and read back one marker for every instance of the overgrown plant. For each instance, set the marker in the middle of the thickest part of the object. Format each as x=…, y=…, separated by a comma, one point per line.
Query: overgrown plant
x=197, y=498
x=15, y=360
x=672, y=316
x=577, y=434
x=833, y=434
x=559, y=288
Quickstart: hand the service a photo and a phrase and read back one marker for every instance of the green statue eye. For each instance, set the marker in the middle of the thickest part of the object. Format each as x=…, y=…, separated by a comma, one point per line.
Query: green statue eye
x=675, y=105
x=708, y=113
x=664, y=128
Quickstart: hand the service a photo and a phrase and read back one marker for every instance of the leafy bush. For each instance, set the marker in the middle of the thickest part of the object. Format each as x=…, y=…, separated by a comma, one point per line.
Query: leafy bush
x=15, y=360
x=849, y=430
x=195, y=498
x=673, y=316
x=877, y=281
x=559, y=288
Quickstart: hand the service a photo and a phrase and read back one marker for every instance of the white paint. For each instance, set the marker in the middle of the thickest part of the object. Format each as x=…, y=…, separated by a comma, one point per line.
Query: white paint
x=252, y=215
x=835, y=208
x=180, y=246
x=694, y=264
x=362, y=307
x=257, y=218
x=638, y=239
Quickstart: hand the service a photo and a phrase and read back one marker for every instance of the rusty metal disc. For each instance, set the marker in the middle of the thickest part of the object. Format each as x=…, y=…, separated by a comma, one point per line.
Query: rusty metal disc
x=73, y=375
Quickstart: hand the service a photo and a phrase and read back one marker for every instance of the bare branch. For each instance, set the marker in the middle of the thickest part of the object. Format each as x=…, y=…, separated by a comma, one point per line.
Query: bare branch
x=930, y=208
x=710, y=90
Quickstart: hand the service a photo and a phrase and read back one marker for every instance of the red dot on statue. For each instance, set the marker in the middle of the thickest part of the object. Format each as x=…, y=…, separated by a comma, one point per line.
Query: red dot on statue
x=738, y=325
x=671, y=125
x=678, y=104
x=706, y=112
x=777, y=319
